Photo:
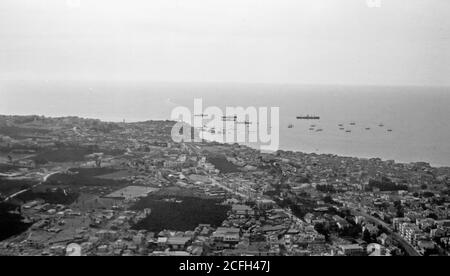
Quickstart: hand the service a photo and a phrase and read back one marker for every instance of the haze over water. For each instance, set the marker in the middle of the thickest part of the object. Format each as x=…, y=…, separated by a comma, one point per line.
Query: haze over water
x=418, y=116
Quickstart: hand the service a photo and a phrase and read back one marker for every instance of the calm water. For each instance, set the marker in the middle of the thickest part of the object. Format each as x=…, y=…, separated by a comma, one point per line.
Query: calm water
x=418, y=116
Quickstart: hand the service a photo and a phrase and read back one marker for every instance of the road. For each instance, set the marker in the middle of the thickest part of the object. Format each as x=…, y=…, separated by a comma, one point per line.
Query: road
x=44, y=179
x=409, y=249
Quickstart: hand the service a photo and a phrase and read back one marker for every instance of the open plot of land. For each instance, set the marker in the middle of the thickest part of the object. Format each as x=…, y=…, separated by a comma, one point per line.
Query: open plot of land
x=182, y=192
x=70, y=154
x=87, y=202
x=67, y=232
x=131, y=192
x=79, y=177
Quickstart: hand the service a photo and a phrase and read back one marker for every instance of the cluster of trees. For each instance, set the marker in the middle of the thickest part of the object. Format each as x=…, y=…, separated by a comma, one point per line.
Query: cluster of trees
x=10, y=222
x=386, y=184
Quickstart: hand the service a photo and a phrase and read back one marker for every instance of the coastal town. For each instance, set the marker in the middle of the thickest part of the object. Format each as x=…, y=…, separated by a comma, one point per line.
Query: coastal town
x=74, y=186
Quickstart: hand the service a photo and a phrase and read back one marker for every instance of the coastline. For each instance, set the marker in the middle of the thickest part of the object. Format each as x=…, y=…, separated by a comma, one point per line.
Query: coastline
x=433, y=165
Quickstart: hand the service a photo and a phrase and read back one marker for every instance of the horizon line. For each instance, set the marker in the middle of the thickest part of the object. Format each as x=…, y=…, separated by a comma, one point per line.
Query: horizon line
x=209, y=82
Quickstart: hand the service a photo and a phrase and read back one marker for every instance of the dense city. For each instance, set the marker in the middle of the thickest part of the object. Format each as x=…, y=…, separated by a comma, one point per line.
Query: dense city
x=74, y=186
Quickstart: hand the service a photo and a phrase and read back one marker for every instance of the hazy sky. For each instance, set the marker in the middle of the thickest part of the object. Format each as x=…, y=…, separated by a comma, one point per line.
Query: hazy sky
x=402, y=42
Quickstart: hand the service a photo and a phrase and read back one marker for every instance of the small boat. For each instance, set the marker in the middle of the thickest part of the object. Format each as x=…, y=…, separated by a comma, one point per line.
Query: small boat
x=290, y=126
x=340, y=125
x=341, y=128
x=389, y=130
x=311, y=128
x=312, y=125
x=381, y=125
x=367, y=128
x=319, y=129
x=348, y=131
x=352, y=124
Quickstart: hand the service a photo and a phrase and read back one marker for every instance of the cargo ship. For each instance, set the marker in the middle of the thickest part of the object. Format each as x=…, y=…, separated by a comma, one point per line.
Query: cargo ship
x=308, y=117
x=229, y=118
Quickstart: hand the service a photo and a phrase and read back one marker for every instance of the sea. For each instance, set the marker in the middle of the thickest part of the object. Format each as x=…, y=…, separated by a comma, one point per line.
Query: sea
x=418, y=117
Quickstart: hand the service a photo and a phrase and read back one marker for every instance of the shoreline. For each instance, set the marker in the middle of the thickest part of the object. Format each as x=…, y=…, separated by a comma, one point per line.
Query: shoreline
x=433, y=165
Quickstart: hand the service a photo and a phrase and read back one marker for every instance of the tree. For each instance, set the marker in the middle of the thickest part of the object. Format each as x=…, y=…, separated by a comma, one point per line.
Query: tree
x=328, y=199
x=322, y=229
x=433, y=216
x=366, y=236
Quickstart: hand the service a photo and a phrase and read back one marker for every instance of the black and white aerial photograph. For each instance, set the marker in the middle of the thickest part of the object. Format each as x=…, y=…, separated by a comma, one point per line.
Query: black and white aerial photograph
x=225, y=129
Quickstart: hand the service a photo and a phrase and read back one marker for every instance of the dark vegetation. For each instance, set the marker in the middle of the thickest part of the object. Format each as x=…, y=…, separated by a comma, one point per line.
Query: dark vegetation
x=11, y=221
x=4, y=168
x=70, y=154
x=183, y=216
x=62, y=155
x=386, y=184
x=22, y=132
x=222, y=164
x=11, y=186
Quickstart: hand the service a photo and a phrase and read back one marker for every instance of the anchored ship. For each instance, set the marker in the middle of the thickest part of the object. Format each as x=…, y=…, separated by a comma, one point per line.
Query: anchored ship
x=229, y=118
x=308, y=117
